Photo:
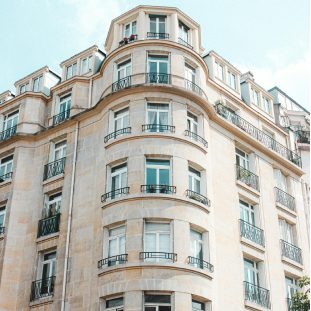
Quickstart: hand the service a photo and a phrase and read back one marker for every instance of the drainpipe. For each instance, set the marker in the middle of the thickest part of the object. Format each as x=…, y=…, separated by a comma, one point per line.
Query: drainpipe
x=70, y=216
x=90, y=93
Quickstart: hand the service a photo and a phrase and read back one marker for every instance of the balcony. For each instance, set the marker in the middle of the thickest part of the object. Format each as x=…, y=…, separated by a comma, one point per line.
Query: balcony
x=158, y=255
x=121, y=84
x=157, y=35
x=252, y=233
x=115, y=134
x=247, y=177
x=257, y=134
x=200, y=263
x=2, y=230
x=303, y=137
x=154, y=77
x=126, y=40
x=54, y=168
x=112, y=261
x=6, y=176
x=48, y=225
x=285, y=199
x=257, y=295
x=185, y=43
x=61, y=117
x=163, y=189
x=42, y=288
x=196, y=137
x=198, y=197
x=6, y=134
x=189, y=85
x=115, y=194
x=291, y=251
x=158, y=128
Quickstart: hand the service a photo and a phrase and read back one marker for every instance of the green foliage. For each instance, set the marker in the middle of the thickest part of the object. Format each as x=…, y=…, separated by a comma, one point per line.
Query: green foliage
x=300, y=300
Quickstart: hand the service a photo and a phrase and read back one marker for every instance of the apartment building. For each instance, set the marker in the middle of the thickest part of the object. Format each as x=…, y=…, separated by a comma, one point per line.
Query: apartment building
x=149, y=177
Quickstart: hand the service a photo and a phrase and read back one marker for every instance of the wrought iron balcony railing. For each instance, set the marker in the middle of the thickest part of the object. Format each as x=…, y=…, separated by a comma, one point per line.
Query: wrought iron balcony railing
x=2, y=230
x=285, y=199
x=42, y=288
x=183, y=42
x=291, y=251
x=48, y=225
x=257, y=294
x=126, y=40
x=166, y=189
x=115, y=134
x=247, y=177
x=61, y=117
x=200, y=263
x=115, y=194
x=121, y=84
x=196, y=137
x=54, y=168
x=157, y=35
x=112, y=261
x=303, y=137
x=158, y=255
x=252, y=232
x=198, y=197
x=154, y=77
x=6, y=134
x=189, y=85
x=257, y=134
x=6, y=176
x=158, y=128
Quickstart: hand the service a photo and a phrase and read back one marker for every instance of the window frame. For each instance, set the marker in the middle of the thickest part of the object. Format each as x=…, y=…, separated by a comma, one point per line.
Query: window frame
x=121, y=114
x=37, y=83
x=182, y=30
x=42, y=262
x=123, y=168
x=192, y=121
x=157, y=167
x=125, y=65
x=2, y=214
x=157, y=23
x=52, y=200
x=71, y=70
x=61, y=147
x=232, y=77
x=254, y=269
x=249, y=210
x=158, y=111
x=88, y=60
x=243, y=159
x=194, y=175
x=218, y=66
x=131, y=32
x=12, y=116
x=117, y=237
x=4, y=162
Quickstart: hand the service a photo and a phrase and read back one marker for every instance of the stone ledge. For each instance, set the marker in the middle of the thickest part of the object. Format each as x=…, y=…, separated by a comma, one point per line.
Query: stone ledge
x=285, y=209
x=252, y=244
x=253, y=306
x=248, y=188
x=6, y=182
x=53, y=179
x=41, y=302
x=47, y=238
x=292, y=263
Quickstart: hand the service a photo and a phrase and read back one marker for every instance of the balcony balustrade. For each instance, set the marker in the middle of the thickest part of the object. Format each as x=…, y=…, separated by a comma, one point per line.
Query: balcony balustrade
x=285, y=199
x=2, y=230
x=198, y=197
x=257, y=295
x=158, y=255
x=115, y=134
x=200, y=263
x=42, y=288
x=158, y=128
x=61, y=117
x=154, y=77
x=116, y=193
x=112, y=261
x=48, y=225
x=189, y=85
x=126, y=40
x=247, y=177
x=185, y=43
x=54, y=168
x=6, y=134
x=252, y=233
x=165, y=189
x=157, y=35
x=291, y=251
x=196, y=137
x=303, y=137
x=121, y=84
x=6, y=176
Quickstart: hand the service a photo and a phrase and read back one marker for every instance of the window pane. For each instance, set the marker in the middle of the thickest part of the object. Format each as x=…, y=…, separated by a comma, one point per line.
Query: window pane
x=157, y=299
x=151, y=176
x=150, y=242
x=157, y=226
x=164, y=177
x=117, y=302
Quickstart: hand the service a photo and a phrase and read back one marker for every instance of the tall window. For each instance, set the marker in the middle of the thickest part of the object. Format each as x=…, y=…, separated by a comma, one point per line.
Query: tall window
x=157, y=238
x=219, y=71
x=65, y=104
x=2, y=217
x=280, y=179
x=37, y=84
x=196, y=245
x=198, y=306
x=118, y=178
x=6, y=168
x=130, y=29
x=190, y=77
x=116, y=243
x=157, y=117
x=124, y=69
x=10, y=120
x=157, y=25
x=242, y=158
x=114, y=304
x=192, y=123
x=52, y=205
x=71, y=71
x=121, y=119
x=157, y=302
x=24, y=88
x=251, y=274
x=232, y=80
x=157, y=173
x=158, y=68
x=247, y=212
x=59, y=150
x=86, y=64
x=291, y=286
x=266, y=105
x=255, y=97
x=287, y=231
x=183, y=32
x=194, y=180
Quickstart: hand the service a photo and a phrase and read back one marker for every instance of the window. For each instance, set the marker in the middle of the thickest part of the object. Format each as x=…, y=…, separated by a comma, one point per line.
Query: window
x=52, y=205
x=157, y=117
x=86, y=65
x=59, y=150
x=291, y=286
x=280, y=180
x=192, y=123
x=232, y=80
x=183, y=32
x=71, y=71
x=118, y=179
x=219, y=71
x=23, y=88
x=247, y=213
x=157, y=25
x=194, y=180
x=287, y=231
x=2, y=217
x=121, y=119
x=157, y=173
x=157, y=302
x=114, y=304
x=37, y=84
x=116, y=243
x=266, y=105
x=241, y=158
x=196, y=246
x=255, y=97
x=124, y=69
x=157, y=239
x=198, y=306
x=10, y=120
x=130, y=29
x=65, y=104
x=251, y=274
x=158, y=69
x=6, y=168
x=190, y=77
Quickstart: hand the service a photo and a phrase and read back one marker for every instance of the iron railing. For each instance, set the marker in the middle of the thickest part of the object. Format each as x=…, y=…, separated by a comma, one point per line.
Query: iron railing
x=42, y=288
x=289, y=304
x=6, y=176
x=257, y=294
x=183, y=42
x=303, y=137
x=158, y=255
x=112, y=261
x=6, y=134
x=200, y=263
x=126, y=40
x=61, y=117
x=121, y=84
x=158, y=128
x=257, y=134
x=157, y=35
x=196, y=137
x=154, y=77
x=247, y=177
x=113, y=135
x=252, y=232
x=285, y=199
x=48, y=225
x=54, y=168
x=115, y=193
x=198, y=197
x=2, y=230
x=291, y=251
x=158, y=189
x=189, y=85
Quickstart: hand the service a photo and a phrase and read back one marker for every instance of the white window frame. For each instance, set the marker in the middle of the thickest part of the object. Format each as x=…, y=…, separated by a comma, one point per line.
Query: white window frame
x=253, y=270
x=280, y=180
x=287, y=231
x=158, y=111
x=121, y=114
x=194, y=176
x=11, y=118
x=7, y=165
x=220, y=69
x=200, y=302
x=119, y=173
x=232, y=80
x=59, y=147
x=125, y=67
x=247, y=212
x=131, y=32
x=192, y=122
x=291, y=286
x=157, y=167
x=118, y=238
x=243, y=159
x=42, y=262
x=156, y=305
x=195, y=243
x=66, y=101
x=164, y=58
x=255, y=97
x=37, y=83
x=116, y=308
x=157, y=22
x=23, y=88
x=71, y=70
x=53, y=201
x=3, y=213
x=183, y=31
x=89, y=64
x=266, y=105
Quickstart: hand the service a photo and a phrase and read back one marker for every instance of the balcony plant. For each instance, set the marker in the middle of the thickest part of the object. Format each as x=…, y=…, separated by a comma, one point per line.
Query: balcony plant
x=300, y=300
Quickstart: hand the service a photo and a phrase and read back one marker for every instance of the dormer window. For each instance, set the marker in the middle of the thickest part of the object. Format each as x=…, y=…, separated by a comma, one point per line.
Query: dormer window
x=71, y=71
x=183, y=32
x=157, y=27
x=255, y=97
x=37, y=83
x=23, y=88
x=219, y=71
x=130, y=29
x=266, y=105
x=232, y=80
x=86, y=65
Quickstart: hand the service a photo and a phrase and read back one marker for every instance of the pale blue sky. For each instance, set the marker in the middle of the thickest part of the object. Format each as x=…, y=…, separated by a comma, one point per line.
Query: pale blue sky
x=268, y=37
